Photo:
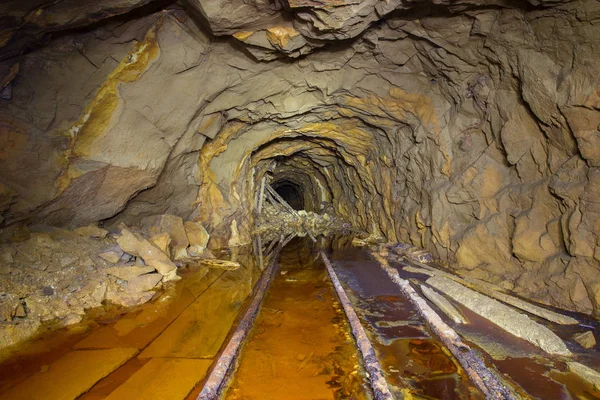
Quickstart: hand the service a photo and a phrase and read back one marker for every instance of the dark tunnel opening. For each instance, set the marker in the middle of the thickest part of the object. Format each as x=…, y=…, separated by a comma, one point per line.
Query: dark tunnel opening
x=291, y=192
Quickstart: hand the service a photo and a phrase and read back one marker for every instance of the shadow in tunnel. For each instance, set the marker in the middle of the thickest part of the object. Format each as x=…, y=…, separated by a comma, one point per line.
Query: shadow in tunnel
x=291, y=192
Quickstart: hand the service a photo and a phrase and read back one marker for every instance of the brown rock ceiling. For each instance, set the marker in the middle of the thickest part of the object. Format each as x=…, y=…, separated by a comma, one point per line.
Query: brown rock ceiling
x=470, y=128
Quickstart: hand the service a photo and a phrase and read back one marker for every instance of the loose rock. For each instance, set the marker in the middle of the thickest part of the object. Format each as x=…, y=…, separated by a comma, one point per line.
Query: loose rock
x=143, y=283
x=112, y=257
x=135, y=244
x=585, y=339
x=9, y=306
x=128, y=299
x=72, y=319
x=162, y=241
x=172, y=225
x=11, y=334
x=91, y=231
x=130, y=272
x=198, y=237
x=588, y=374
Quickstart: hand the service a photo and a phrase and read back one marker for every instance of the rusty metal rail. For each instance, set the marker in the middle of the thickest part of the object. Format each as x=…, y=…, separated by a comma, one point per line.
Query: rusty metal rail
x=490, y=384
x=215, y=381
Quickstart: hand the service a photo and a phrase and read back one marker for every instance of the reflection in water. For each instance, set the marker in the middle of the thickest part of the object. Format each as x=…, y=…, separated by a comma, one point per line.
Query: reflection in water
x=300, y=346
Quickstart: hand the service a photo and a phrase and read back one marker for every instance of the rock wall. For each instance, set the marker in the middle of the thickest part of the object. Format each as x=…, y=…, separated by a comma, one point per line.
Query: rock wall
x=471, y=130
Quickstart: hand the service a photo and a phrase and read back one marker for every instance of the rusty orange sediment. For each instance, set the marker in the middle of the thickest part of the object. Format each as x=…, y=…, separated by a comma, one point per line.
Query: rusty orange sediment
x=218, y=375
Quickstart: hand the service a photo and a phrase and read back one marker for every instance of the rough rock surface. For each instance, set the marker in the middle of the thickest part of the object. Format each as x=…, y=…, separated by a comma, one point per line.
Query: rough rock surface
x=173, y=226
x=25, y=22
x=444, y=305
x=143, y=283
x=585, y=339
x=586, y=373
x=92, y=231
x=467, y=128
x=197, y=236
x=276, y=222
x=128, y=273
x=112, y=257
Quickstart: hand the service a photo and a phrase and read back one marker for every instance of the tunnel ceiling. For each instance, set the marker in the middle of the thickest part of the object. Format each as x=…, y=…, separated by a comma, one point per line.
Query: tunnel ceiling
x=469, y=128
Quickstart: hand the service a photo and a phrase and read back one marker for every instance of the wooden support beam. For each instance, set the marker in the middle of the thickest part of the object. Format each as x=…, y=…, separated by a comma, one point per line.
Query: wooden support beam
x=261, y=195
x=281, y=200
x=271, y=247
x=260, y=253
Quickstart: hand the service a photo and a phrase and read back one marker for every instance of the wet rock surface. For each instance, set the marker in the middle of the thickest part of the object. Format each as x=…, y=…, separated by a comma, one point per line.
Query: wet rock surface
x=151, y=255
x=275, y=222
x=443, y=304
x=191, y=320
x=587, y=339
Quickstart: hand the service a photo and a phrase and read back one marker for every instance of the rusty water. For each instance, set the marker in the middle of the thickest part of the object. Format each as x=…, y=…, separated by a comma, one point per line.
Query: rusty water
x=300, y=346
x=411, y=357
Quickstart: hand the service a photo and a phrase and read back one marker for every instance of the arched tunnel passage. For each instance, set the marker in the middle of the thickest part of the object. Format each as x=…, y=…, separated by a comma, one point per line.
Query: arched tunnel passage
x=291, y=192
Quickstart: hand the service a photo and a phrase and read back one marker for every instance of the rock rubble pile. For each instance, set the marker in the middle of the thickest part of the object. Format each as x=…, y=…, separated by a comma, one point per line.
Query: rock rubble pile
x=49, y=274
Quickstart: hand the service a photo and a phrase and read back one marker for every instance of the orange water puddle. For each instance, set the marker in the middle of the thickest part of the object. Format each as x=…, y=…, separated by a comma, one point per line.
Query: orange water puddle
x=300, y=346
x=159, y=350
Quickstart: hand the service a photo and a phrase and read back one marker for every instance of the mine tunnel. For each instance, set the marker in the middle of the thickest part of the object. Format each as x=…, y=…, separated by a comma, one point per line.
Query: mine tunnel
x=277, y=199
x=291, y=192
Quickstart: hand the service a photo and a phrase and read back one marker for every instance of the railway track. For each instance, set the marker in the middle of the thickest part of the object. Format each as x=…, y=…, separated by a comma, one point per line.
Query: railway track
x=224, y=369
x=316, y=321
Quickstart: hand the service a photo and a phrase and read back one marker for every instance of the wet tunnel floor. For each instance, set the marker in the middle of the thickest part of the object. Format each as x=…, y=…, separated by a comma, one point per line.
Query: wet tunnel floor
x=160, y=350
x=535, y=373
x=299, y=348
x=411, y=358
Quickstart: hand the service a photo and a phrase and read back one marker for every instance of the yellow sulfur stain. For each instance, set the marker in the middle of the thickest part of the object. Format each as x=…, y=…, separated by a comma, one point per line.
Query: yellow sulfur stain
x=403, y=106
x=280, y=35
x=210, y=197
x=97, y=115
x=5, y=36
x=243, y=35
